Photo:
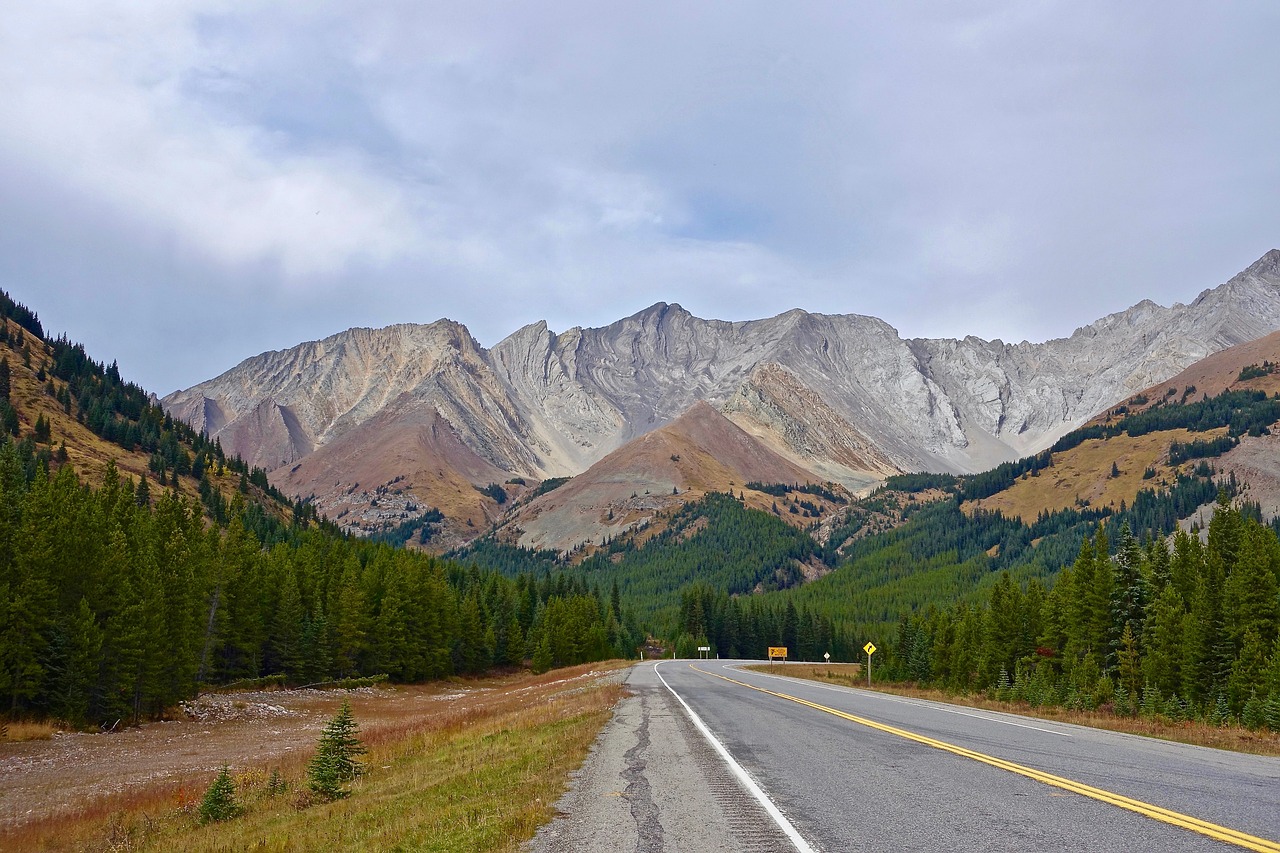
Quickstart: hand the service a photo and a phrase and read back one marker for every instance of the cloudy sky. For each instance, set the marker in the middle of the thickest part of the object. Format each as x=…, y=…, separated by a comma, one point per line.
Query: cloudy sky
x=184, y=184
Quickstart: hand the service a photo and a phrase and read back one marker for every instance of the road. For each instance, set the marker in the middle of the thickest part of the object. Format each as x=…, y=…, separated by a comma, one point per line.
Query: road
x=855, y=770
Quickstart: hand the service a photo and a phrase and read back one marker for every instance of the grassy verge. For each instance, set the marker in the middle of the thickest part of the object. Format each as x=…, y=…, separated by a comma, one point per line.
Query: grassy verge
x=482, y=775
x=1235, y=738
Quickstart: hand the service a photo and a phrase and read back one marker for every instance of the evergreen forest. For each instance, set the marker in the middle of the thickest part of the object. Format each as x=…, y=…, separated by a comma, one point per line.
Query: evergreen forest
x=1187, y=629
x=118, y=606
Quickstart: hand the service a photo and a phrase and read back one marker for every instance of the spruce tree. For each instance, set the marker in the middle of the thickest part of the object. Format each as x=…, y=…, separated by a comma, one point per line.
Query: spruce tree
x=219, y=801
x=542, y=658
x=4, y=378
x=43, y=431
x=336, y=760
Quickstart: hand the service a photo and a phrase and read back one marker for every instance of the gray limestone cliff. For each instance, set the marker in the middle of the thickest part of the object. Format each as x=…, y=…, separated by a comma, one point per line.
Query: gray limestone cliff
x=844, y=396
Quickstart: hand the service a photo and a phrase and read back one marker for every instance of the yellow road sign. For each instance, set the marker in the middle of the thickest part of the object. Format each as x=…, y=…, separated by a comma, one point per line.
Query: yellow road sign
x=777, y=652
x=869, y=648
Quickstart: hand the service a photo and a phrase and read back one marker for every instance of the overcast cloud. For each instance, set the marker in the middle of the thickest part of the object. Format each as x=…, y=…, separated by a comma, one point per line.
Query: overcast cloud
x=185, y=184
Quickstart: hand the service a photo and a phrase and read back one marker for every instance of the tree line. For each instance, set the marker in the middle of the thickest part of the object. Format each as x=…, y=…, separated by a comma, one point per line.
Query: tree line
x=745, y=627
x=117, y=605
x=1183, y=628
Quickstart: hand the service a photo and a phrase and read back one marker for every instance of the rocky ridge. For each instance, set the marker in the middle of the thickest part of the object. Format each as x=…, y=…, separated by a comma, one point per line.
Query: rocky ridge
x=841, y=396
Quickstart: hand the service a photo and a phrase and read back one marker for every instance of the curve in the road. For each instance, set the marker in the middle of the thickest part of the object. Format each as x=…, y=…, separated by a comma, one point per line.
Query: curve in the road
x=1194, y=824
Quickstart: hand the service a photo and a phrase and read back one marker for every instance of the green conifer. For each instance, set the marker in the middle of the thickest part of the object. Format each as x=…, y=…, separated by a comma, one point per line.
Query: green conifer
x=336, y=760
x=219, y=801
x=542, y=657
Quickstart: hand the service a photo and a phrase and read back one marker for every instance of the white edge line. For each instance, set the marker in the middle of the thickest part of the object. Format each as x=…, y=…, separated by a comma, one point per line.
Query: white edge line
x=905, y=701
x=745, y=778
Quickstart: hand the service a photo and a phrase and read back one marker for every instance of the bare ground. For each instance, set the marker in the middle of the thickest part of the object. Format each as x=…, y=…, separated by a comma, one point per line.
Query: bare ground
x=75, y=773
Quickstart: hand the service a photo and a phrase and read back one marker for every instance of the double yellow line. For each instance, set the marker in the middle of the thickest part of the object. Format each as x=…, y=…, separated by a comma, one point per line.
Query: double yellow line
x=1194, y=824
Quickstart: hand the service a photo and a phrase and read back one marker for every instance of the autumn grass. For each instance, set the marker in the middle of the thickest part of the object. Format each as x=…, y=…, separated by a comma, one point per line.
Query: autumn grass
x=1235, y=738
x=20, y=730
x=1084, y=473
x=481, y=774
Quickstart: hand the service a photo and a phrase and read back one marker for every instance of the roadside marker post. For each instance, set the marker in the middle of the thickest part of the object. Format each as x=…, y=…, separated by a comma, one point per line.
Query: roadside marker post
x=870, y=649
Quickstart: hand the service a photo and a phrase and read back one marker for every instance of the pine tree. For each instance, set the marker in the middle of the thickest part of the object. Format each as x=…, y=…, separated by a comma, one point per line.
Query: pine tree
x=219, y=801
x=43, y=431
x=286, y=649
x=78, y=647
x=9, y=418
x=542, y=658
x=336, y=760
x=1251, y=598
x=4, y=378
x=1163, y=651
x=1128, y=661
x=472, y=653
x=143, y=494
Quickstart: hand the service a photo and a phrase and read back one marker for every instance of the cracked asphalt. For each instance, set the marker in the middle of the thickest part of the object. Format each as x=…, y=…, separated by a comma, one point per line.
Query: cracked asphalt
x=652, y=784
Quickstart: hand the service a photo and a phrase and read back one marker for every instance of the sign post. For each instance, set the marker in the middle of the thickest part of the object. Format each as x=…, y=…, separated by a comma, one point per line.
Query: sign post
x=704, y=650
x=827, y=655
x=870, y=649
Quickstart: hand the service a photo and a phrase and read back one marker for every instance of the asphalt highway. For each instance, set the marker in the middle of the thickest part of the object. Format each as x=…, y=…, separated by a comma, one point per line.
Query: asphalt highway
x=708, y=756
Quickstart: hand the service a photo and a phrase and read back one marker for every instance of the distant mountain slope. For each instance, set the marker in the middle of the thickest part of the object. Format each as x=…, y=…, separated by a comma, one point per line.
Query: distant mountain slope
x=1111, y=470
x=842, y=397
x=699, y=452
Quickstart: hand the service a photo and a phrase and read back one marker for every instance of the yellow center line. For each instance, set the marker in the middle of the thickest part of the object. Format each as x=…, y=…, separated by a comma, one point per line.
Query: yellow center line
x=1203, y=827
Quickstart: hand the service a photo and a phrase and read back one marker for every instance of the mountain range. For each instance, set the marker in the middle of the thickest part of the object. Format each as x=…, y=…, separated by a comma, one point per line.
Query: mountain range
x=378, y=425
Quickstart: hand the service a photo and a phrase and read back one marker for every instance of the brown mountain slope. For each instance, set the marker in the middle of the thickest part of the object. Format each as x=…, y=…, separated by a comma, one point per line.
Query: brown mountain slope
x=699, y=452
x=1217, y=373
x=844, y=396
x=1084, y=474
x=86, y=453
x=393, y=467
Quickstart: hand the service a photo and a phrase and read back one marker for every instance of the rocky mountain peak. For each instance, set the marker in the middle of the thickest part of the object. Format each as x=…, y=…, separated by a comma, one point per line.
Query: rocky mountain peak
x=1267, y=266
x=841, y=396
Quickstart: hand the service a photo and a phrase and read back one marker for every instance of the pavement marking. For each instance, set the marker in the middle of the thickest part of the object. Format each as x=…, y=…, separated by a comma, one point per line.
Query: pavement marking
x=890, y=698
x=745, y=778
x=1194, y=824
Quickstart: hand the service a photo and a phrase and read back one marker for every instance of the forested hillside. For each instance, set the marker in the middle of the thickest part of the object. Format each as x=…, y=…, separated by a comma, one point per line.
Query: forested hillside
x=118, y=604
x=70, y=409
x=121, y=596
x=1184, y=630
x=714, y=541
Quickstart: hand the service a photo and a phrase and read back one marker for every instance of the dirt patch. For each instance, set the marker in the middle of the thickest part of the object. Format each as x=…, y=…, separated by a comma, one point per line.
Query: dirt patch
x=73, y=772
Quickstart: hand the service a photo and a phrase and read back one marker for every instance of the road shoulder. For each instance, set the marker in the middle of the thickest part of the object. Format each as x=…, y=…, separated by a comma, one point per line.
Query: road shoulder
x=652, y=783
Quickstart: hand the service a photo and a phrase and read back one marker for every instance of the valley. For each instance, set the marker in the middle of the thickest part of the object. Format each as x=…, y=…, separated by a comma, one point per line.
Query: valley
x=442, y=521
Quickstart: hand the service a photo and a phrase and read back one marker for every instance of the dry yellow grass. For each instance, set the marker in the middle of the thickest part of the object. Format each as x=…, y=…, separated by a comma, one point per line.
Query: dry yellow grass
x=1084, y=474
x=483, y=774
x=16, y=731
